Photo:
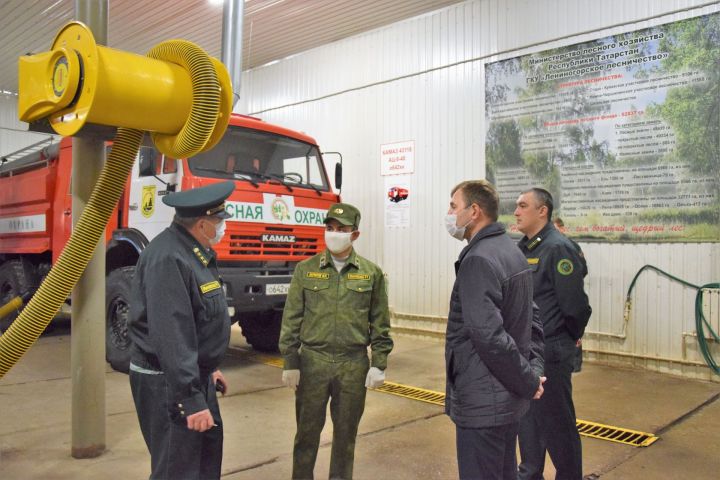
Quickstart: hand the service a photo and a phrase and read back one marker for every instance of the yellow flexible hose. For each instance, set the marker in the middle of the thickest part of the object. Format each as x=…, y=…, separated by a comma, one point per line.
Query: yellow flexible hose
x=206, y=97
x=191, y=140
x=11, y=306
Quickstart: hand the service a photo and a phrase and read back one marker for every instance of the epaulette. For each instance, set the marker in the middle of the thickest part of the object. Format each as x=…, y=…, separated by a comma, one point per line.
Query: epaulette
x=535, y=242
x=201, y=257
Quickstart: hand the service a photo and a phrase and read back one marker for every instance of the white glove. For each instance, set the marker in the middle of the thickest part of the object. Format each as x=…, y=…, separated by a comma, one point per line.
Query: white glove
x=291, y=378
x=375, y=377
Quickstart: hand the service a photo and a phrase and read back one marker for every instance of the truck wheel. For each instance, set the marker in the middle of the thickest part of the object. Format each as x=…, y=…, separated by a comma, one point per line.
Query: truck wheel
x=117, y=303
x=12, y=284
x=261, y=330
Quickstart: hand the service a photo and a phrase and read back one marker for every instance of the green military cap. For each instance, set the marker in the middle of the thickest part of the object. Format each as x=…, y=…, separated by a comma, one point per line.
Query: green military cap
x=201, y=202
x=344, y=213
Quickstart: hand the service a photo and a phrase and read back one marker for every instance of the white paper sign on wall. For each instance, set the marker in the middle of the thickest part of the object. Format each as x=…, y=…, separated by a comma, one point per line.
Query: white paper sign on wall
x=397, y=201
x=397, y=158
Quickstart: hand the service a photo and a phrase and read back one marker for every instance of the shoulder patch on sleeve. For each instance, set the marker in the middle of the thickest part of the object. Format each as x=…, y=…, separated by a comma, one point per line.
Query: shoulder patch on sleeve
x=565, y=267
x=210, y=286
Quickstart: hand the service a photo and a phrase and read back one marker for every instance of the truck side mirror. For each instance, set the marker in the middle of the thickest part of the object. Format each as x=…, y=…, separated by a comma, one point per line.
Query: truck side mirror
x=338, y=175
x=338, y=167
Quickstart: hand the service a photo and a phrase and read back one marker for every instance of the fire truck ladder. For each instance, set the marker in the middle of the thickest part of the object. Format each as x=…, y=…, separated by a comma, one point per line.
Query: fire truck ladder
x=26, y=156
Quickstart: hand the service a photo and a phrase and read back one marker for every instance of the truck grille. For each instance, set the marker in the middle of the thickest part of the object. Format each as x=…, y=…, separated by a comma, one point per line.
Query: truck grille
x=248, y=243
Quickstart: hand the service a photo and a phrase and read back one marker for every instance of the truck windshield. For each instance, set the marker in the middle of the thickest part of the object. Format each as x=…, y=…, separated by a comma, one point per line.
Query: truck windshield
x=262, y=157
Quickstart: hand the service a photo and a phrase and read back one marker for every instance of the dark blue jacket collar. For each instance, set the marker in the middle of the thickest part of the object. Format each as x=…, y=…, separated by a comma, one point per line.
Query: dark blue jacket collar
x=531, y=243
x=491, y=230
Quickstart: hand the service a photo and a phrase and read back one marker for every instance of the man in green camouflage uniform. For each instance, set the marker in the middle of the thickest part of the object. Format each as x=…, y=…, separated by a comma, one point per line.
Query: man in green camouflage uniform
x=337, y=306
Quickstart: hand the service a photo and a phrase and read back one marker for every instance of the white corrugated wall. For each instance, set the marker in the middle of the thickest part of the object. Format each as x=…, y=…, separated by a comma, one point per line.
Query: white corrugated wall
x=422, y=80
x=13, y=133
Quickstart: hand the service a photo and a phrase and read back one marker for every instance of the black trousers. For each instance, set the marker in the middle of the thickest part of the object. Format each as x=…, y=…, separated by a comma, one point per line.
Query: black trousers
x=487, y=453
x=176, y=452
x=550, y=422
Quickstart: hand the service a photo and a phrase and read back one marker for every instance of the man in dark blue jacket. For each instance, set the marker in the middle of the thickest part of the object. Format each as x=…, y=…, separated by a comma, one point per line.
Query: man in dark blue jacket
x=558, y=272
x=493, y=350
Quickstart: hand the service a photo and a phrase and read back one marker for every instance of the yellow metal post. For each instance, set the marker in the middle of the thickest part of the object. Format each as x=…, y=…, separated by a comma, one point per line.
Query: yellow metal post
x=87, y=357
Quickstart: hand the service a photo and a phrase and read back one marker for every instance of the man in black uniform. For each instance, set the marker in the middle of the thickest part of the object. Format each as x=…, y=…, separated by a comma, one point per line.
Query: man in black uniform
x=180, y=328
x=564, y=310
x=560, y=226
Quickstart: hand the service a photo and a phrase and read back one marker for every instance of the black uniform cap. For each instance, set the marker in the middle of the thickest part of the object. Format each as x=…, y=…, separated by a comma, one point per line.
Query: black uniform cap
x=201, y=202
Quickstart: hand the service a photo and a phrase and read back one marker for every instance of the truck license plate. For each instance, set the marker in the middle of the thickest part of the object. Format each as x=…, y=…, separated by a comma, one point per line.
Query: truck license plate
x=277, y=288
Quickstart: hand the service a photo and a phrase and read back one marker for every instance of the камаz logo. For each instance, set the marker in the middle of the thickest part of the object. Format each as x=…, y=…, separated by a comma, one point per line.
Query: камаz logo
x=276, y=238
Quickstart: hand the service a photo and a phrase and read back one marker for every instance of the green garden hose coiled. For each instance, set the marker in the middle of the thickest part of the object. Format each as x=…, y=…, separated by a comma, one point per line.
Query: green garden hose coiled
x=199, y=133
x=701, y=322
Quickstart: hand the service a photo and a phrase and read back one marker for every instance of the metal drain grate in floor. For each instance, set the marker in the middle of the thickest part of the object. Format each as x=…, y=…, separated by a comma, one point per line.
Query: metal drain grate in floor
x=585, y=428
x=412, y=393
x=588, y=429
x=615, y=434
x=271, y=360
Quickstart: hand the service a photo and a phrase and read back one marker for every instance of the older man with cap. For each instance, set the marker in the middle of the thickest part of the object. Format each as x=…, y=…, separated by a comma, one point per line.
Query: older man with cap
x=180, y=328
x=337, y=306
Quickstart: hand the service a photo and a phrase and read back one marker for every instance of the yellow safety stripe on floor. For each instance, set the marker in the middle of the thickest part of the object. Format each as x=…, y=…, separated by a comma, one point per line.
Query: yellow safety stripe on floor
x=616, y=434
x=585, y=428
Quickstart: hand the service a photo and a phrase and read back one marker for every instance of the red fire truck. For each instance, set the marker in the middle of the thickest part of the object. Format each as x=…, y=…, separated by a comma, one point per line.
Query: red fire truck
x=282, y=193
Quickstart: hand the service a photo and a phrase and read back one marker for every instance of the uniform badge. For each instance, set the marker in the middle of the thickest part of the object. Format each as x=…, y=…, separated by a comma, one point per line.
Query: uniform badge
x=147, y=206
x=358, y=276
x=565, y=267
x=210, y=286
x=318, y=275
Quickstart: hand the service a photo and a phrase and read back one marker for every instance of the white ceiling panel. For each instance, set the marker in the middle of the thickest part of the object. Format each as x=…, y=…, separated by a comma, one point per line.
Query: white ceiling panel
x=272, y=30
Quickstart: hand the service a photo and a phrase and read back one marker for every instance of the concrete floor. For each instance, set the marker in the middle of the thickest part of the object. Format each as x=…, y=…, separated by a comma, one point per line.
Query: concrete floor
x=399, y=438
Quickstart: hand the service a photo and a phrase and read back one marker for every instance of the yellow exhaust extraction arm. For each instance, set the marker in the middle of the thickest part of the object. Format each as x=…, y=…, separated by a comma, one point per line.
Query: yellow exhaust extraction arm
x=178, y=93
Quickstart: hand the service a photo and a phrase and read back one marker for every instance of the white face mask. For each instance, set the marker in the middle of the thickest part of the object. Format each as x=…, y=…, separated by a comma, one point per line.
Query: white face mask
x=219, y=233
x=338, y=242
x=452, y=227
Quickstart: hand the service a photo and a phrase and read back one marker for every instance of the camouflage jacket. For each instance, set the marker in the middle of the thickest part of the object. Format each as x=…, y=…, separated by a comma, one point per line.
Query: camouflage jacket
x=336, y=314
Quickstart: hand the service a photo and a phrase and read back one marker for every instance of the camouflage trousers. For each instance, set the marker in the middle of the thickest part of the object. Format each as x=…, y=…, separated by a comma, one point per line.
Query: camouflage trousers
x=343, y=383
